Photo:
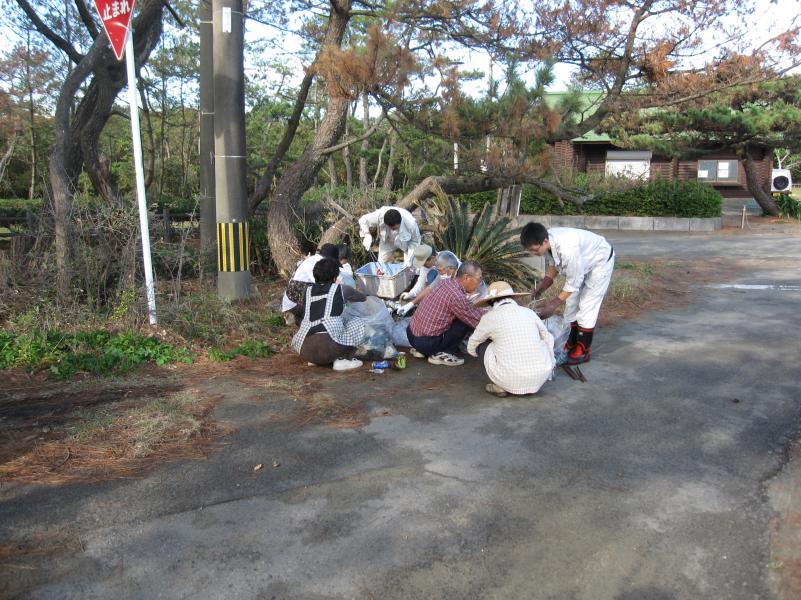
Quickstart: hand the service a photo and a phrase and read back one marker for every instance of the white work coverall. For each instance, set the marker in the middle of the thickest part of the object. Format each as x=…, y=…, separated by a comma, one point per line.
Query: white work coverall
x=406, y=239
x=304, y=272
x=587, y=261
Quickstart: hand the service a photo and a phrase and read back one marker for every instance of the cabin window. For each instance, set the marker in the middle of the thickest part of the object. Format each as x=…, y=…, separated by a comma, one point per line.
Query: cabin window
x=718, y=171
x=628, y=164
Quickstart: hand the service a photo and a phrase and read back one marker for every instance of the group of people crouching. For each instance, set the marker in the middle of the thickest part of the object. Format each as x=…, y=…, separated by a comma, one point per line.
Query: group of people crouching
x=453, y=310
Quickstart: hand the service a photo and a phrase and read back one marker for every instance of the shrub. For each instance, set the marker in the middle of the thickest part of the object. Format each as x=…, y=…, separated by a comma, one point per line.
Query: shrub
x=483, y=237
x=788, y=206
x=249, y=349
x=479, y=200
x=659, y=198
x=19, y=208
x=96, y=351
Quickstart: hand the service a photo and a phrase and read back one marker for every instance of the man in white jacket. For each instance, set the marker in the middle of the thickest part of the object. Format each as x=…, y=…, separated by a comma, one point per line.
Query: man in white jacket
x=395, y=229
x=587, y=261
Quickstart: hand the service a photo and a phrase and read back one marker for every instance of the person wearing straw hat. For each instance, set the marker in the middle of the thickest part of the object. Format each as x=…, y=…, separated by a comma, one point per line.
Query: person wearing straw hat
x=513, y=344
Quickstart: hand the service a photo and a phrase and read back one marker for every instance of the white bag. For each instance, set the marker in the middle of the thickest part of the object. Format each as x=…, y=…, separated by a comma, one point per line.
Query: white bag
x=559, y=329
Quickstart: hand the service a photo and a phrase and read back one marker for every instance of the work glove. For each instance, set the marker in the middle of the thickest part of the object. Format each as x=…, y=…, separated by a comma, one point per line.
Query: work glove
x=549, y=308
x=367, y=241
x=402, y=310
x=542, y=286
x=406, y=296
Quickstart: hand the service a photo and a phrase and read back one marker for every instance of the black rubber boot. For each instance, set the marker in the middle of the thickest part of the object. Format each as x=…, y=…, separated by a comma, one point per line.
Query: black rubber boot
x=581, y=351
x=571, y=339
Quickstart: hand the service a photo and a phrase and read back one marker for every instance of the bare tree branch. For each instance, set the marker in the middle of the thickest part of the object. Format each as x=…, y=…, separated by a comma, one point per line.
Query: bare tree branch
x=51, y=35
x=364, y=136
x=86, y=17
x=264, y=183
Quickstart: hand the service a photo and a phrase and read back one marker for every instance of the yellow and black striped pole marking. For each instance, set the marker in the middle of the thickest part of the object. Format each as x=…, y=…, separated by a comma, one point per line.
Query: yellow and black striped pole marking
x=233, y=247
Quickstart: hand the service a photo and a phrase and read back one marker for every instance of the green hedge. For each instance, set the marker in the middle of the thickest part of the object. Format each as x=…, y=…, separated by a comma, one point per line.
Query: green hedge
x=660, y=198
x=18, y=208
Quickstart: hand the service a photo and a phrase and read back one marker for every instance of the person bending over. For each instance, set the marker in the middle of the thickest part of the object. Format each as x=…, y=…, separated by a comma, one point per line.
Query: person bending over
x=587, y=261
x=302, y=278
x=444, y=267
x=396, y=229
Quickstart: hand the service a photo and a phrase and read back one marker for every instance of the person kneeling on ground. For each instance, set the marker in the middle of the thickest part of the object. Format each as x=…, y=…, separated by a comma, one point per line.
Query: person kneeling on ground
x=302, y=278
x=515, y=347
x=323, y=337
x=445, y=317
x=587, y=261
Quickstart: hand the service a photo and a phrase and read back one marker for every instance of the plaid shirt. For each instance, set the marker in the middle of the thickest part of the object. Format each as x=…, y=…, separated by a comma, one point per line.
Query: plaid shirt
x=446, y=302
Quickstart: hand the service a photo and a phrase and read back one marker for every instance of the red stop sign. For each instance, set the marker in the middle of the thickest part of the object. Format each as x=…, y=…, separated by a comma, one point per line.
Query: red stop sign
x=116, y=18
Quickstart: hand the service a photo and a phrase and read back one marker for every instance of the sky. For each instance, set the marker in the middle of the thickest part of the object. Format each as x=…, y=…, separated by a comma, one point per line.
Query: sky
x=770, y=17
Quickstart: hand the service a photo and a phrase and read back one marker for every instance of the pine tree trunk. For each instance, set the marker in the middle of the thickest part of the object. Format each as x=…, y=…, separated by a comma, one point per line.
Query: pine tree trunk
x=763, y=198
x=76, y=136
x=389, y=176
x=363, y=182
x=297, y=178
x=300, y=175
x=332, y=171
x=346, y=160
x=380, y=161
x=32, y=116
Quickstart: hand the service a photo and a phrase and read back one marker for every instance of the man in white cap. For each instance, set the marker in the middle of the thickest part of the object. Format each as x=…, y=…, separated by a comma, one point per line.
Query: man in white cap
x=443, y=266
x=423, y=261
x=513, y=344
x=396, y=229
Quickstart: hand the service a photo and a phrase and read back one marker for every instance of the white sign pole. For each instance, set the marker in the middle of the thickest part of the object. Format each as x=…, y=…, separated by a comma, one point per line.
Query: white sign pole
x=140, y=178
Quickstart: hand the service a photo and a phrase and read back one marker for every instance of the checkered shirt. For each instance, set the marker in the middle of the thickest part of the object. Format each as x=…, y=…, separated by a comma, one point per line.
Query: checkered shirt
x=520, y=356
x=446, y=302
x=346, y=334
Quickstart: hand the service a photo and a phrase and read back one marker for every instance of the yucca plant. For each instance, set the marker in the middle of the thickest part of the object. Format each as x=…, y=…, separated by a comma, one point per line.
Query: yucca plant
x=788, y=206
x=484, y=237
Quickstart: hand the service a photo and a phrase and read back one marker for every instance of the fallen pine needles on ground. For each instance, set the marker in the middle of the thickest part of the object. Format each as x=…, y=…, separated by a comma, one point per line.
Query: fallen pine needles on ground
x=117, y=440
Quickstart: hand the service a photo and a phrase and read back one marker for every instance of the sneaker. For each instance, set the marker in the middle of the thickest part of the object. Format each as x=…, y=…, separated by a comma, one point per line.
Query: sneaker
x=445, y=359
x=416, y=354
x=343, y=364
x=496, y=390
x=310, y=364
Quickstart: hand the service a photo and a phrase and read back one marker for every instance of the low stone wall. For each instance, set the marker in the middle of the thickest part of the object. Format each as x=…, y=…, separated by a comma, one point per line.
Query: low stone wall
x=624, y=223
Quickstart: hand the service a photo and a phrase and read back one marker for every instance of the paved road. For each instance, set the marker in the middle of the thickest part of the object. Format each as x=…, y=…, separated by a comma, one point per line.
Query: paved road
x=646, y=483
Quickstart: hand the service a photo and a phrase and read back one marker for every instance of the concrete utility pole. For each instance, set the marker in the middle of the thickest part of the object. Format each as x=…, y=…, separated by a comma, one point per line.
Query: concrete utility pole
x=233, y=253
x=208, y=220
